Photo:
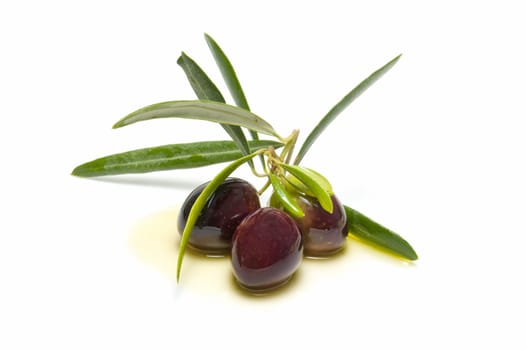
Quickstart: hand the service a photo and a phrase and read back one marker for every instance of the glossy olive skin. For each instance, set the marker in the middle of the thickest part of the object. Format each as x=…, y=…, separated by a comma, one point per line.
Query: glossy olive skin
x=324, y=233
x=232, y=201
x=266, y=250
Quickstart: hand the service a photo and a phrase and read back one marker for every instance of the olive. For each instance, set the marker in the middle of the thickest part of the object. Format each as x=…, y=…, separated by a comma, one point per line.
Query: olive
x=230, y=203
x=266, y=250
x=324, y=233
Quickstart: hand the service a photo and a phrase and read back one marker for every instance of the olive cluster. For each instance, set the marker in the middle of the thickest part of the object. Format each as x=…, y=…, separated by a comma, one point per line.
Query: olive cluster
x=266, y=245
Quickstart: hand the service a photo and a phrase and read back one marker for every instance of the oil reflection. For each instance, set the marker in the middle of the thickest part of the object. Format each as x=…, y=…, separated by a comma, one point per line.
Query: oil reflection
x=154, y=240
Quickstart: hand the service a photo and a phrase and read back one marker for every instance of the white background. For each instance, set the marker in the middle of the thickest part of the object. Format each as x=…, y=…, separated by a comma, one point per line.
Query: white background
x=435, y=150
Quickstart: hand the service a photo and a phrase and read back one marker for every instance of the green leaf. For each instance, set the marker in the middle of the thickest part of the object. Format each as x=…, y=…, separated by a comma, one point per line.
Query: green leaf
x=322, y=193
x=201, y=110
x=295, y=184
x=206, y=90
x=321, y=180
x=231, y=79
x=299, y=186
x=200, y=82
x=200, y=203
x=228, y=73
x=368, y=230
x=285, y=197
x=168, y=157
x=341, y=106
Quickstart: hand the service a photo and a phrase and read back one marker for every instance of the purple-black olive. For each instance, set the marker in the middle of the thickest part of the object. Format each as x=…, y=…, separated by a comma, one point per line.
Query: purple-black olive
x=232, y=201
x=324, y=234
x=266, y=250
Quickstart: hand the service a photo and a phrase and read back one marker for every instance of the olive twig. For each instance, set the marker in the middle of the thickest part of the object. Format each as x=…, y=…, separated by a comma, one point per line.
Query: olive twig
x=289, y=146
x=224, y=215
x=264, y=188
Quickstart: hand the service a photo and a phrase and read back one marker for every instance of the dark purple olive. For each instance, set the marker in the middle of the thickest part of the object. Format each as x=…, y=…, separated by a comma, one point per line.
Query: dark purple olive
x=232, y=201
x=266, y=249
x=324, y=233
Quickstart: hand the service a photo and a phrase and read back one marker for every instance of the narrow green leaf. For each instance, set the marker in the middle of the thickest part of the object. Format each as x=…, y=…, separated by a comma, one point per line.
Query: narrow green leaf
x=321, y=180
x=299, y=186
x=368, y=230
x=341, y=105
x=231, y=79
x=313, y=184
x=201, y=201
x=168, y=157
x=295, y=184
x=206, y=90
x=198, y=79
x=228, y=73
x=202, y=110
x=286, y=199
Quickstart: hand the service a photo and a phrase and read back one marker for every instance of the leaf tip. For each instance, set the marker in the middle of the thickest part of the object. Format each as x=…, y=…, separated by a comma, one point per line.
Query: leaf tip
x=412, y=255
x=395, y=59
x=409, y=256
x=181, y=59
x=86, y=170
x=79, y=171
x=299, y=215
x=208, y=38
x=124, y=121
x=328, y=207
x=179, y=263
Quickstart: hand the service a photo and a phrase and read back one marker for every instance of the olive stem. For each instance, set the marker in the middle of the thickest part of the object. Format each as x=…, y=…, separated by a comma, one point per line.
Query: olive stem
x=264, y=188
x=256, y=173
x=289, y=146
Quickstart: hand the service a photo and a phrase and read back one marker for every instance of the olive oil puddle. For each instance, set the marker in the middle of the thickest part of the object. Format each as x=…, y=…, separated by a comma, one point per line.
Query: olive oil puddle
x=154, y=240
